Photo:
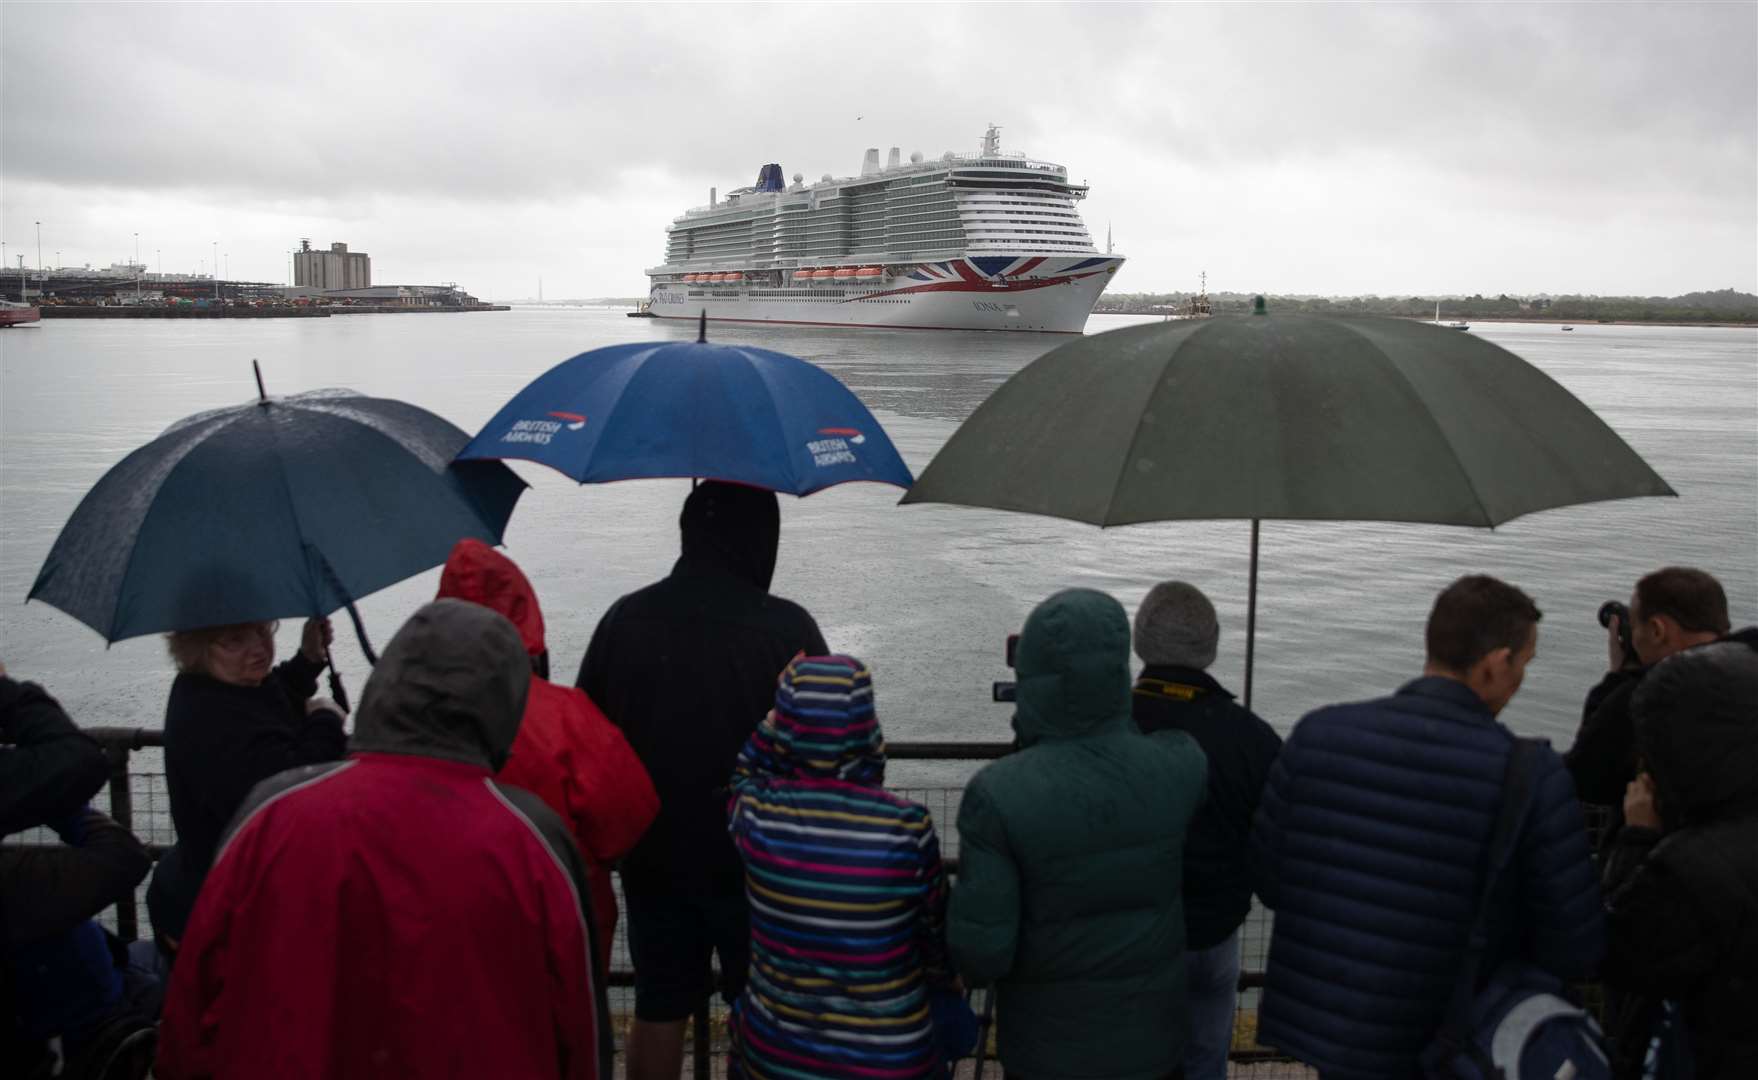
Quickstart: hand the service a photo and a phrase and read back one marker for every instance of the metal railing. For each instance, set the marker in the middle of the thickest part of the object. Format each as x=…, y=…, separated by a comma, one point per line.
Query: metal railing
x=128, y=786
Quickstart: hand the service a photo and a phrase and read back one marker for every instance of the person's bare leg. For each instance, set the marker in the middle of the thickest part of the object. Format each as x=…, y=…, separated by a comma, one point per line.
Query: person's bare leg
x=656, y=1050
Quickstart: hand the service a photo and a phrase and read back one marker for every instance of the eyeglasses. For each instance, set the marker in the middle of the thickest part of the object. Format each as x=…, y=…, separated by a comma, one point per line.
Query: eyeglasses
x=239, y=638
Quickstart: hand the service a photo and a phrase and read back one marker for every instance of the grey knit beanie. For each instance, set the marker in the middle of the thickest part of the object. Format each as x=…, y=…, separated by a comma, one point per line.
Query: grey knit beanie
x=1176, y=626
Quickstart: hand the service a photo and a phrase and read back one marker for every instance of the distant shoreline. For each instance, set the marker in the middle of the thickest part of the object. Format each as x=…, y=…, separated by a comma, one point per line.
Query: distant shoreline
x=1553, y=321
x=1540, y=320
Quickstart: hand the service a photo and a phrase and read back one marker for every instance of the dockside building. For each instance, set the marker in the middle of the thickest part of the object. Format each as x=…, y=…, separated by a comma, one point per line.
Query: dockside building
x=337, y=268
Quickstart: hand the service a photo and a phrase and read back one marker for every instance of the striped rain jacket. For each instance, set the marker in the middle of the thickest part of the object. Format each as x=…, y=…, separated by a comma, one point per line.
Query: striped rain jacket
x=847, y=893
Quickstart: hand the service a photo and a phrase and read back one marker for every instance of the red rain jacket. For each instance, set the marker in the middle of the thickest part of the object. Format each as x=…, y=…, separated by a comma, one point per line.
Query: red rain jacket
x=400, y=914
x=567, y=753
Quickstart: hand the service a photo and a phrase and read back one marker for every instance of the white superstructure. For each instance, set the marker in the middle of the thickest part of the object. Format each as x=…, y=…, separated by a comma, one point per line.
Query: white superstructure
x=989, y=241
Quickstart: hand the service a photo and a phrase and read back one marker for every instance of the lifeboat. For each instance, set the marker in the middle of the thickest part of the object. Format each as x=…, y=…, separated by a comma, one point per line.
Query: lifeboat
x=690, y=279
x=725, y=278
x=802, y=275
x=823, y=275
x=845, y=273
x=869, y=275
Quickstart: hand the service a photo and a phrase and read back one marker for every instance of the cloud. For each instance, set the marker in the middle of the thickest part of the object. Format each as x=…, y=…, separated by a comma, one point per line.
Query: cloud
x=1327, y=148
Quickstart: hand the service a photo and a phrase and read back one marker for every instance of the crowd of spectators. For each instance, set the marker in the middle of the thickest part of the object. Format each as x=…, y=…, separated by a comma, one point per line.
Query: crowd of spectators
x=431, y=892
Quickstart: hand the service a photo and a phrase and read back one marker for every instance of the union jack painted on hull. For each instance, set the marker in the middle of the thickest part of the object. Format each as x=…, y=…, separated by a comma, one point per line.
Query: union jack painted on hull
x=1035, y=293
x=967, y=275
x=990, y=241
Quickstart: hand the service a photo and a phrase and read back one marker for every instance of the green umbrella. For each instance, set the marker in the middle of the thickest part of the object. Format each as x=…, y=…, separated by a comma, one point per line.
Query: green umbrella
x=1283, y=416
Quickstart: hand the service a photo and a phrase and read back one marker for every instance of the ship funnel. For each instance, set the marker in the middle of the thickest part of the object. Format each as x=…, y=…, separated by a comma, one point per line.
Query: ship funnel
x=891, y=159
x=870, y=163
x=713, y=197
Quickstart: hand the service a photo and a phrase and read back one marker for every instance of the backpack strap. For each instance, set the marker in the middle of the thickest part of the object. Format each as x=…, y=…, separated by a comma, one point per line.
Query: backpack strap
x=1518, y=781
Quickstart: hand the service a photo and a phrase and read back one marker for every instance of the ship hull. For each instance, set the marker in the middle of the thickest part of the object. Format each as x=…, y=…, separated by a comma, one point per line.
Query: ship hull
x=1034, y=295
x=17, y=315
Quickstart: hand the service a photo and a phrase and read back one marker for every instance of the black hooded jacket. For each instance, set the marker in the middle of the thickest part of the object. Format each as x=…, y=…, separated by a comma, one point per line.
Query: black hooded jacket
x=1683, y=903
x=687, y=667
x=1240, y=748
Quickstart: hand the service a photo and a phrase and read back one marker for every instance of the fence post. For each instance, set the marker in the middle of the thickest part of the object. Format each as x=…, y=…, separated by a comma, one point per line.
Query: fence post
x=122, y=810
x=699, y=1043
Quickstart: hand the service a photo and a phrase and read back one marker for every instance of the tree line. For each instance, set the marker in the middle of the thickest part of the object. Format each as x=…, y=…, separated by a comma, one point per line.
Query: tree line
x=1720, y=306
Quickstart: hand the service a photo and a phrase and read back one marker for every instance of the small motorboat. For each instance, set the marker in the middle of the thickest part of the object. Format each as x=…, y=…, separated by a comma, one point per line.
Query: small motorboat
x=16, y=313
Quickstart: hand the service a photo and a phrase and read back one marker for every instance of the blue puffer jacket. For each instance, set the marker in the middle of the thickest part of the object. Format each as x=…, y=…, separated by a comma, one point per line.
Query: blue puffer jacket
x=1368, y=844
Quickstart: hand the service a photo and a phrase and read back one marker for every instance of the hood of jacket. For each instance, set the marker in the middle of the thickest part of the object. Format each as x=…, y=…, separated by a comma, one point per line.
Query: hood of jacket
x=733, y=529
x=1695, y=729
x=480, y=574
x=823, y=726
x=451, y=684
x=1073, y=667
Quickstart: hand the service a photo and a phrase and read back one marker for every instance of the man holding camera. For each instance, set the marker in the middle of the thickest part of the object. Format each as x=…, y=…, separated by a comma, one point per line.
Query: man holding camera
x=1672, y=609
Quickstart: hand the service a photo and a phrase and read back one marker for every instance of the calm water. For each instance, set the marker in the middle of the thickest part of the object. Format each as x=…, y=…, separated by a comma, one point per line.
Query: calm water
x=924, y=594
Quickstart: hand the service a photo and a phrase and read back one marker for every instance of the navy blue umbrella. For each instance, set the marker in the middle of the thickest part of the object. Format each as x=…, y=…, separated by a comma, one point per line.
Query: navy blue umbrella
x=691, y=409
x=279, y=508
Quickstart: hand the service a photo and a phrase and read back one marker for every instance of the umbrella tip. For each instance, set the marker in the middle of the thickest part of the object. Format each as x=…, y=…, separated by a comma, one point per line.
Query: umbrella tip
x=1257, y=306
x=262, y=395
x=702, y=328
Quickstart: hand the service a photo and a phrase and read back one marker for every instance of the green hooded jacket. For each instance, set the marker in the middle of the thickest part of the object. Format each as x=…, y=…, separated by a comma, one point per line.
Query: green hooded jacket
x=1071, y=861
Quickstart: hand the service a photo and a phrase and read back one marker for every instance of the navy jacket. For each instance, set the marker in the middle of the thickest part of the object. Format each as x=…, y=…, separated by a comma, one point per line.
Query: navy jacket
x=1369, y=845
x=1240, y=748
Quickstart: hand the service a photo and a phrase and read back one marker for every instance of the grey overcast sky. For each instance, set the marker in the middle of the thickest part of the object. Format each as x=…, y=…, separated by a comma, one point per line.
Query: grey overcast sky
x=1321, y=148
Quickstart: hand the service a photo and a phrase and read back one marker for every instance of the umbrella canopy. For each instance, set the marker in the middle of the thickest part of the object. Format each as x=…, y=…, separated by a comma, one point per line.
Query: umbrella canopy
x=279, y=508
x=1291, y=416
x=692, y=409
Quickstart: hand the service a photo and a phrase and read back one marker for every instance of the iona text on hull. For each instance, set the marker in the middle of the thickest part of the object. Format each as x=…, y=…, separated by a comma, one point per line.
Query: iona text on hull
x=985, y=241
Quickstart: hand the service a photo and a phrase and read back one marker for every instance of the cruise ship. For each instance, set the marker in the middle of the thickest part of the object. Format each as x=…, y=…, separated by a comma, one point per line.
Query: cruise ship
x=989, y=241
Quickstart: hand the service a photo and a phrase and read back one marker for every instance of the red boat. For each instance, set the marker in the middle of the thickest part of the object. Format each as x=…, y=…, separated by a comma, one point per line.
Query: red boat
x=12, y=313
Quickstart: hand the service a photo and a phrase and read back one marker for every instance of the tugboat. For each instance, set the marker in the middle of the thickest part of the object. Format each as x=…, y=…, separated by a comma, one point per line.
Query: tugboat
x=643, y=310
x=1198, y=307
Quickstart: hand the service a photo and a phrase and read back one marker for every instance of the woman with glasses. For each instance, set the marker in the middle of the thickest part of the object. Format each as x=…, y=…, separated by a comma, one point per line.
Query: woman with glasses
x=233, y=720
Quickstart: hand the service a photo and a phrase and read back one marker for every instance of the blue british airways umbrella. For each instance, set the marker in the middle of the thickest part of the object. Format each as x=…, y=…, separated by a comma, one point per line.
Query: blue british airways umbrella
x=693, y=409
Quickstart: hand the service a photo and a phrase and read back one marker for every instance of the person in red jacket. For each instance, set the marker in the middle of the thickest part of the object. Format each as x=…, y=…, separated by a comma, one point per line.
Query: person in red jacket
x=567, y=753
x=400, y=913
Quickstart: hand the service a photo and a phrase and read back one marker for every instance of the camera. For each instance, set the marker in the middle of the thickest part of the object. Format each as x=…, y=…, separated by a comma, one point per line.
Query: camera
x=1002, y=692
x=1614, y=609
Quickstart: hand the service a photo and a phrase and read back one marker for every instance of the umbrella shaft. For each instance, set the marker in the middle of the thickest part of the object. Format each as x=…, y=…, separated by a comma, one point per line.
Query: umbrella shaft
x=1251, y=614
